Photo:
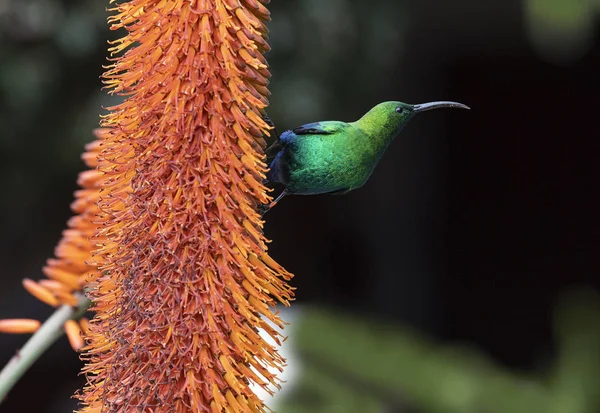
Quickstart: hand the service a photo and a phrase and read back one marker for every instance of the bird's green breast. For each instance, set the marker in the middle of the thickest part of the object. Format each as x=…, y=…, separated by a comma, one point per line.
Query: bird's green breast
x=329, y=163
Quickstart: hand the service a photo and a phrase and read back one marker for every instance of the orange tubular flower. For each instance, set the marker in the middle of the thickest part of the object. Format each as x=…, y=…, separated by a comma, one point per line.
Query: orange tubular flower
x=19, y=325
x=72, y=268
x=186, y=282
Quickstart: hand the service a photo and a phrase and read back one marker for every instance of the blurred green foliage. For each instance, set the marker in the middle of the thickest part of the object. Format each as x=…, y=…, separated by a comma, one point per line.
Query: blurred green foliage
x=365, y=365
x=562, y=31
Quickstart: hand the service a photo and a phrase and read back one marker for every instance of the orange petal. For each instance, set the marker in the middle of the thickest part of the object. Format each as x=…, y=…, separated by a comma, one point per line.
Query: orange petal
x=51, y=285
x=84, y=323
x=66, y=298
x=39, y=292
x=19, y=326
x=74, y=334
x=69, y=279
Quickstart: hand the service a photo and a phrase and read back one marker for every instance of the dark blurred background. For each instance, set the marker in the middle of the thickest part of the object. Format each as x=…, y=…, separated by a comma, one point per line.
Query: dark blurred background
x=469, y=229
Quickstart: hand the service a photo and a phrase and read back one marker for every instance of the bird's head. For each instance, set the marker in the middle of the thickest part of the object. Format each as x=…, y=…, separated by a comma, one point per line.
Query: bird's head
x=391, y=116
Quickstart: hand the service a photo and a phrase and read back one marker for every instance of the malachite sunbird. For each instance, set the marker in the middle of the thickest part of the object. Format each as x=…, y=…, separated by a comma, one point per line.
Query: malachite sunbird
x=337, y=157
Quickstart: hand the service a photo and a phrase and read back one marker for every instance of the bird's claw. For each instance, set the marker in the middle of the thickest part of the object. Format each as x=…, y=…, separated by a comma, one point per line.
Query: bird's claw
x=268, y=120
x=264, y=208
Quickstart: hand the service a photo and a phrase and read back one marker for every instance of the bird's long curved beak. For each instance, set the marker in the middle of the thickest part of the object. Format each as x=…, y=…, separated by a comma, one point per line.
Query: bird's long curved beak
x=440, y=104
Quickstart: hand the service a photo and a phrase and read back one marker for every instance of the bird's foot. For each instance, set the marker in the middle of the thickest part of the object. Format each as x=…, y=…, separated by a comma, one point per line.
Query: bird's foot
x=268, y=120
x=264, y=208
x=275, y=143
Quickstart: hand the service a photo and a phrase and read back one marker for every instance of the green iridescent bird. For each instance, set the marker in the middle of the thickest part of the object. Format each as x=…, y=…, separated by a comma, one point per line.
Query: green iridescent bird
x=337, y=157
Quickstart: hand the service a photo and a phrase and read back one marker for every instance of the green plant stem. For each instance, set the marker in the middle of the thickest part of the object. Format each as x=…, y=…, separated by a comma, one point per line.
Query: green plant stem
x=48, y=334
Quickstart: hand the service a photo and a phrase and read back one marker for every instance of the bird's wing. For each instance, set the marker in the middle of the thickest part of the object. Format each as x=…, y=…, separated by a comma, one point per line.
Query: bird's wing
x=315, y=128
x=319, y=128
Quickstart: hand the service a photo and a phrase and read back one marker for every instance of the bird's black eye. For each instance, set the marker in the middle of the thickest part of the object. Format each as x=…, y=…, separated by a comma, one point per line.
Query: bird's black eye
x=399, y=109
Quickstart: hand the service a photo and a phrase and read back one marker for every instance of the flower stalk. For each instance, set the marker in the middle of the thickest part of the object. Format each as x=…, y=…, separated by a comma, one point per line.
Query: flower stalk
x=44, y=337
